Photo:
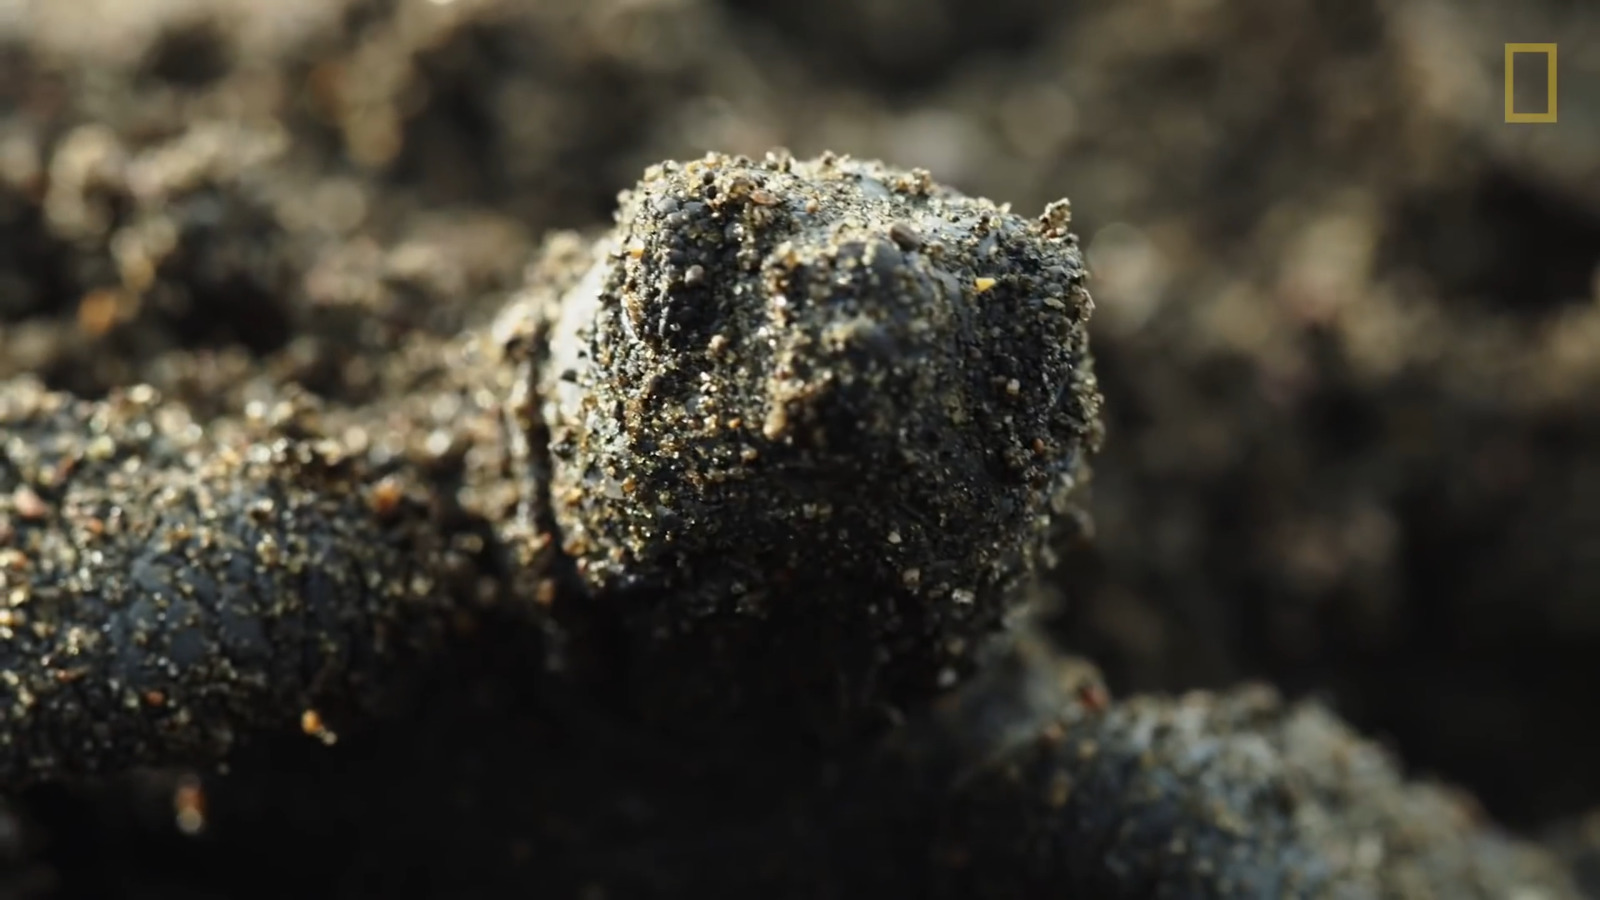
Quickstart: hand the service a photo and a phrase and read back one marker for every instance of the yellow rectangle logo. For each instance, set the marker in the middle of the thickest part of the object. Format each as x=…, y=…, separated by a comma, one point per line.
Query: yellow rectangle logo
x=1549, y=114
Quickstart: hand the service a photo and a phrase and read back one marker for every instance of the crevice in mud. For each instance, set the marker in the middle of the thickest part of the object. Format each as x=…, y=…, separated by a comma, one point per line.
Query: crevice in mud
x=192, y=55
x=1504, y=240
x=232, y=291
x=461, y=144
x=34, y=277
x=900, y=46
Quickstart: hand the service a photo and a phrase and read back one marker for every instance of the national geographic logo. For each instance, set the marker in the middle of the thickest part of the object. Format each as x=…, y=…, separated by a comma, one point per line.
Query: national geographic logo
x=1548, y=51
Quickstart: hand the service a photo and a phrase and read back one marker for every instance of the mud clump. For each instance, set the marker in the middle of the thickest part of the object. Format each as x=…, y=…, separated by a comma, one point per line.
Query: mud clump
x=168, y=589
x=171, y=586
x=826, y=407
x=1224, y=795
x=915, y=361
x=1344, y=328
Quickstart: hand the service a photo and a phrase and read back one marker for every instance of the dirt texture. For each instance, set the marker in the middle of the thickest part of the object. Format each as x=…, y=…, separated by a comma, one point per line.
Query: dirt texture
x=310, y=584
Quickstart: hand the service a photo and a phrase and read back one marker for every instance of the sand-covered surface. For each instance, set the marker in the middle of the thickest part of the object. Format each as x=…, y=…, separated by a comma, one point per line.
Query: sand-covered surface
x=1346, y=327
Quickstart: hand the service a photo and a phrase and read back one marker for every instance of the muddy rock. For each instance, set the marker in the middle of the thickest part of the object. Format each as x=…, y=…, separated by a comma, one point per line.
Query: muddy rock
x=824, y=412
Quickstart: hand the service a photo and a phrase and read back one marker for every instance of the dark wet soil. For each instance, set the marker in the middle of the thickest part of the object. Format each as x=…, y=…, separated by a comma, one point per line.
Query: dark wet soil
x=1347, y=329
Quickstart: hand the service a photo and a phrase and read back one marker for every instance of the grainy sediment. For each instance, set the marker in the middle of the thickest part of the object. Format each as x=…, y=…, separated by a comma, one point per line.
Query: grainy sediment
x=772, y=393
x=1030, y=781
x=168, y=587
x=810, y=422
x=1577, y=844
x=1232, y=795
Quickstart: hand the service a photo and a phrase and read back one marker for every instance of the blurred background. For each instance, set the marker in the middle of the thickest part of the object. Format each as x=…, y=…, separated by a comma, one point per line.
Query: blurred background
x=1348, y=318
